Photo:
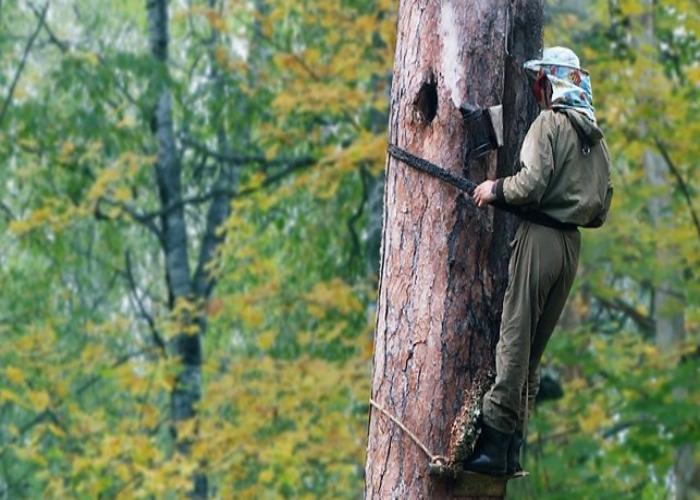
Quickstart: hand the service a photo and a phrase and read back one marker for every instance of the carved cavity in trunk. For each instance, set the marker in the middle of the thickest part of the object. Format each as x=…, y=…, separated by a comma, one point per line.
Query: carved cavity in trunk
x=426, y=102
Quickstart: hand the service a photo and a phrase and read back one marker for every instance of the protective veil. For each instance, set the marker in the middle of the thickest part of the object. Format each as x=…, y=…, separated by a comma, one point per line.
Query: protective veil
x=571, y=85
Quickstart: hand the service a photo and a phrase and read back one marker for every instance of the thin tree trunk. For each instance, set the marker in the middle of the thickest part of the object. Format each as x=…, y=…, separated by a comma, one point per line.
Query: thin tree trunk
x=668, y=313
x=444, y=262
x=668, y=306
x=185, y=346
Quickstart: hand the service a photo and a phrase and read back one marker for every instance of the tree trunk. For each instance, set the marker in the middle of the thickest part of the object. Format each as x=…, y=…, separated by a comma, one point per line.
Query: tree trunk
x=668, y=304
x=186, y=346
x=668, y=312
x=444, y=262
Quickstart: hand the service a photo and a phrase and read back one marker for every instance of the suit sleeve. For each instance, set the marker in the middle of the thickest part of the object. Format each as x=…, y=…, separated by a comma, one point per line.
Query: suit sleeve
x=600, y=219
x=529, y=184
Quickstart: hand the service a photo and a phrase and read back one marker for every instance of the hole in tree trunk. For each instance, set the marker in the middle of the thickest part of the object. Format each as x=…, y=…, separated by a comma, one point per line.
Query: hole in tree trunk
x=426, y=102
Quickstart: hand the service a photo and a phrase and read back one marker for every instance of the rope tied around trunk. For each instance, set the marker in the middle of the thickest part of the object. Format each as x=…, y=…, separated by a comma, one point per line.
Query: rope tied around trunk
x=437, y=462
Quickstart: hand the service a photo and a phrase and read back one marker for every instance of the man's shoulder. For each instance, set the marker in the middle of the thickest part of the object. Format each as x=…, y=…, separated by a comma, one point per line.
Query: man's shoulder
x=552, y=117
x=547, y=122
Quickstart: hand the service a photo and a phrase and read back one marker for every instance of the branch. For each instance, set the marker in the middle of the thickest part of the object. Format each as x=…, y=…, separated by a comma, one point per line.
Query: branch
x=143, y=219
x=621, y=426
x=9, y=215
x=41, y=416
x=155, y=334
x=643, y=321
x=216, y=215
x=681, y=183
x=293, y=166
x=62, y=46
x=23, y=62
x=234, y=159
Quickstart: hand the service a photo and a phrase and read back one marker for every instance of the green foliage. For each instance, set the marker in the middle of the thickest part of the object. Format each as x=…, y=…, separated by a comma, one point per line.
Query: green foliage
x=630, y=399
x=84, y=383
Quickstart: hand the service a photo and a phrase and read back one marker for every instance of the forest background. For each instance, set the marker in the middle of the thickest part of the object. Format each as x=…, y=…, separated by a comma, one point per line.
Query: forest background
x=259, y=265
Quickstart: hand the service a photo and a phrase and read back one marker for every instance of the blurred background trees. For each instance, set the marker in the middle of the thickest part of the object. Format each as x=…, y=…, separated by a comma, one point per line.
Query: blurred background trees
x=278, y=129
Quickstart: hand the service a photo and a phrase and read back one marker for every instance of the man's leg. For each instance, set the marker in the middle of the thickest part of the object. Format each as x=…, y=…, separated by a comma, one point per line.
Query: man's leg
x=530, y=261
x=521, y=310
x=551, y=311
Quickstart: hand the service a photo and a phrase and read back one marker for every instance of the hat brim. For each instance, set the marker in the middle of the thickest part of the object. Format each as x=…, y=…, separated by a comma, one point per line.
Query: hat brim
x=543, y=62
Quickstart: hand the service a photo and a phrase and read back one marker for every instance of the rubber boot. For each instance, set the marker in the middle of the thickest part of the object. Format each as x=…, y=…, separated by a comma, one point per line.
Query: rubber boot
x=489, y=456
x=513, y=460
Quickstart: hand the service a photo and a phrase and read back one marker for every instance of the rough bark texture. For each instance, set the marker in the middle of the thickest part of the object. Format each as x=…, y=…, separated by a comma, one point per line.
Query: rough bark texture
x=444, y=262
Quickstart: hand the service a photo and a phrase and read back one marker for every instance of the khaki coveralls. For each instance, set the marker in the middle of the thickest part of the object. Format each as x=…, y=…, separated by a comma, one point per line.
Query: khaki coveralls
x=558, y=180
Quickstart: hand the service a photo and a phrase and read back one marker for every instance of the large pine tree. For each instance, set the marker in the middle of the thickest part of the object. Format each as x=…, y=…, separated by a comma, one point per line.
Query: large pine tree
x=444, y=262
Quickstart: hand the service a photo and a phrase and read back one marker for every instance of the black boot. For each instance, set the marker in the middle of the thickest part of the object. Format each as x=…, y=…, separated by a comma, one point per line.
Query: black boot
x=513, y=461
x=489, y=456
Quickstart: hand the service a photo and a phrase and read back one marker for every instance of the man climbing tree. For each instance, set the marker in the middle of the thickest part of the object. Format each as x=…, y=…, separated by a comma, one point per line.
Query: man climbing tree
x=564, y=181
x=444, y=263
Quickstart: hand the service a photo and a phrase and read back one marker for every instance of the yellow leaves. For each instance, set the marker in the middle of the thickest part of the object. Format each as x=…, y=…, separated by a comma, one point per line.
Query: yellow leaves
x=114, y=181
x=132, y=380
x=39, y=399
x=93, y=354
x=366, y=24
x=252, y=316
x=67, y=150
x=89, y=57
x=215, y=20
x=122, y=194
x=7, y=396
x=14, y=375
x=288, y=62
x=104, y=181
x=367, y=150
x=312, y=56
x=150, y=415
x=214, y=307
x=36, y=219
x=255, y=181
x=127, y=122
x=111, y=447
x=221, y=56
x=31, y=453
x=181, y=318
x=594, y=418
x=186, y=429
x=184, y=307
x=302, y=96
x=266, y=475
x=633, y=7
x=334, y=294
x=266, y=339
x=55, y=430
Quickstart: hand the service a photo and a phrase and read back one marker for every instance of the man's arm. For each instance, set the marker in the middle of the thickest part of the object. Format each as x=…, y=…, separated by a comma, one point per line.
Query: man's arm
x=530, y=182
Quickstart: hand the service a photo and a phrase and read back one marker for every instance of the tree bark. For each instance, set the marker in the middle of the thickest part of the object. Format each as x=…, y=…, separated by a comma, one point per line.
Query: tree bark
x=444, y=262
x=186, y=346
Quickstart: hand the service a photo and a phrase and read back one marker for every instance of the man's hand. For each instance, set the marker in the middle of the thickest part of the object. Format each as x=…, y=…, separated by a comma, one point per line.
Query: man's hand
x=485, y=193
